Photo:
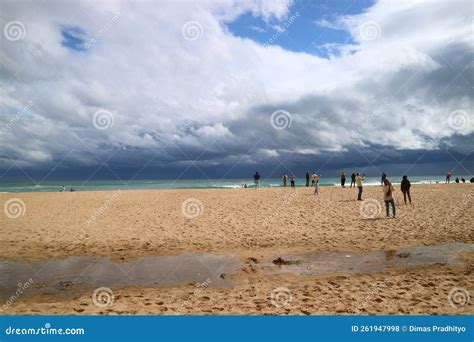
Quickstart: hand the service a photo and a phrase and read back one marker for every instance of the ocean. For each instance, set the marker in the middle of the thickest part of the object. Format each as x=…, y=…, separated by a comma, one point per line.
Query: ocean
x=102, y=185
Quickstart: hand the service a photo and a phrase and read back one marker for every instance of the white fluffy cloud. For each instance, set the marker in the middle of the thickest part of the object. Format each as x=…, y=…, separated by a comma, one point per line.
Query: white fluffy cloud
x=178, y=83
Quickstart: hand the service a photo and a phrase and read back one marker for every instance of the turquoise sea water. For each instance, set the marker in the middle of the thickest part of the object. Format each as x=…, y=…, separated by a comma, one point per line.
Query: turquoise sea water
x=97, y=185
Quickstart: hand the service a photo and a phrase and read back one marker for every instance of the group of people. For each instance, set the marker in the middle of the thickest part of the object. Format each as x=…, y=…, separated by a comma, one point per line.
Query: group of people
x=313, y=178
x=463, y=180
x=292, y=179
x=357, y=180
x=387, y=189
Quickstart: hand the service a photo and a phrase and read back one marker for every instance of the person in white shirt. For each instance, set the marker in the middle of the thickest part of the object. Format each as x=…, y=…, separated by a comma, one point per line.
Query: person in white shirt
x=316, y=183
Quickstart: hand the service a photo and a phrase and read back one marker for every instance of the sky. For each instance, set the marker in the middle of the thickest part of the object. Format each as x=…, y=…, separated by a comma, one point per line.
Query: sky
x=219, y=89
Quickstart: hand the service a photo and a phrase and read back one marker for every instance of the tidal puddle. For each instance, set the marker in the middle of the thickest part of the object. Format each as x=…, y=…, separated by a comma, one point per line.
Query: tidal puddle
x=339, y=262
x=74, y=275
x=81, y=273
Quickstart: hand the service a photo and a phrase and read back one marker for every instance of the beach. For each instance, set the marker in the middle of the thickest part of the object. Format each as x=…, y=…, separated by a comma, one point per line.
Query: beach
x=255, y=226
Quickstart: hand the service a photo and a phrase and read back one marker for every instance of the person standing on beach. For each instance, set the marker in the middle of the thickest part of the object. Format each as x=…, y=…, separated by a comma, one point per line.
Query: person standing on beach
x=353, y=178
x=256, y=179
x=312, y=178
x=292, y=181
x=316, y=183
x=343, y=179
x=359, y=181
x=448, y=177
x=384, y=176
x=405, y=187
x=307, y=179
x=388, y=197
x=285, y=179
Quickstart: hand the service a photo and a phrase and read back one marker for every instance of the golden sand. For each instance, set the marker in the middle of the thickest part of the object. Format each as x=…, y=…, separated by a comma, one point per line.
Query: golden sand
x=257, y=225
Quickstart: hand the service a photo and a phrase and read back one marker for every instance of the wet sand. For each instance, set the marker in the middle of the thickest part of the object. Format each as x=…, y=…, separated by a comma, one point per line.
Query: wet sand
x=257, y=226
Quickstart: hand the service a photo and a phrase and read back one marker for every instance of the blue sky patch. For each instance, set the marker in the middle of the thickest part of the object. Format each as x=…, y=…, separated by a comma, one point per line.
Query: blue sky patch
x=299, y=31
x=74, y=38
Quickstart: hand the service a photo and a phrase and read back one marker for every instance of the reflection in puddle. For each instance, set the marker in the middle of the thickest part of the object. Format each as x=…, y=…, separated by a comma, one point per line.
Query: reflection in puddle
x=81, y=273
x=71, y=276
x=377, y=261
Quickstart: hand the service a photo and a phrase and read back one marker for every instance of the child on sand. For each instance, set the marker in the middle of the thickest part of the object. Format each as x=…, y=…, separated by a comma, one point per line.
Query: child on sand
x=405, y=187
x=316, y=184
x=388, y=197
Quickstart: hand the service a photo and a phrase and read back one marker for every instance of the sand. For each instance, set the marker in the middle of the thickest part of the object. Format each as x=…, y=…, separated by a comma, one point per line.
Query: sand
x=257, y=226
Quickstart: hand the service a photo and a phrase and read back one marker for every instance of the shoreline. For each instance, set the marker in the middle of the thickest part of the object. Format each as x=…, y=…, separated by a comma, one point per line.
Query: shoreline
x=249, y=187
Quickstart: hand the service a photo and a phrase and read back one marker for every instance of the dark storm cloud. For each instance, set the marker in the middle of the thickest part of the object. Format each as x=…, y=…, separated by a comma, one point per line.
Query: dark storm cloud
x=403, y=102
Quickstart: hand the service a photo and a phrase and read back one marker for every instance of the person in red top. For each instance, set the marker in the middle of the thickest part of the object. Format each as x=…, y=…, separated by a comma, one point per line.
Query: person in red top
x=448, y=176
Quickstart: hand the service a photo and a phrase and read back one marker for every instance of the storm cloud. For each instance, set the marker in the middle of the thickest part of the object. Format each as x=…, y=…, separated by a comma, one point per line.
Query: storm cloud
x=143, y=90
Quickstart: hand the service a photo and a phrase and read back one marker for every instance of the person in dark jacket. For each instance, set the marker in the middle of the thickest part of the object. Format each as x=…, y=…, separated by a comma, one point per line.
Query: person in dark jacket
x=343, y=179
x=256, y=180
x=384, y=176
x=353, y=179
x=307, y=179
x=405, y=187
